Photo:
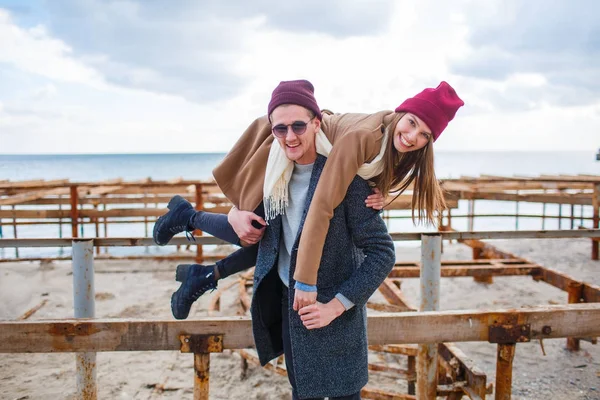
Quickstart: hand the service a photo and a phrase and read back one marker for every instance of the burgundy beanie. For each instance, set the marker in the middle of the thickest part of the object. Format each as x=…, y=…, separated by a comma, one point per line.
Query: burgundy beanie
x=436, y=107
x=300, y=92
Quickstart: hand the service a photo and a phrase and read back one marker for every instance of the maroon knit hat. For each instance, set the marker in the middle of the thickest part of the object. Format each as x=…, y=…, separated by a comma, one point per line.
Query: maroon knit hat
x=436, y=107
x=300, y=92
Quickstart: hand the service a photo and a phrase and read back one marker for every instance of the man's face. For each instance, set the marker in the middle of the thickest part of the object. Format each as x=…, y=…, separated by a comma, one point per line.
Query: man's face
x=298, y=147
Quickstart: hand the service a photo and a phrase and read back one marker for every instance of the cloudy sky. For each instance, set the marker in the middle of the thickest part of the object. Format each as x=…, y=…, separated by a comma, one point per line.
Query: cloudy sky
x=123, y=76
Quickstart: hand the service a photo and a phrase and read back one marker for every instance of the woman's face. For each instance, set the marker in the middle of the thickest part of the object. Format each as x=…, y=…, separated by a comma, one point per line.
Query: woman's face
x=411, y=133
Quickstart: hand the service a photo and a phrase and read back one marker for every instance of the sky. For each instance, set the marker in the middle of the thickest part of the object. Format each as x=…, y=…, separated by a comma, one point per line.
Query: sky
x=149, y=76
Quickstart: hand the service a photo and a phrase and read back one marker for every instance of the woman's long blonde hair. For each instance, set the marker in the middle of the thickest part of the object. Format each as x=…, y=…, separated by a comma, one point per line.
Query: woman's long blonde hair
x=402, y=169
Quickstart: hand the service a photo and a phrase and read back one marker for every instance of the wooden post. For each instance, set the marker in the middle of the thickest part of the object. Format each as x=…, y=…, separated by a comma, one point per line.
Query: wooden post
x=60, y=234
x=145, y=216
x=199, y=207
x=74, y=212
x=504, y=361
x=411, y=367
x=596, y=218
x=105, y=220
x=517, y=213
x=97, y=226
x=15, y=231
x=575, y=292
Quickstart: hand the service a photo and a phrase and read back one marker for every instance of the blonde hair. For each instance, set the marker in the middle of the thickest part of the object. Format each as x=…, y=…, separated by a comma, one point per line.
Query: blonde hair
x=402, y=169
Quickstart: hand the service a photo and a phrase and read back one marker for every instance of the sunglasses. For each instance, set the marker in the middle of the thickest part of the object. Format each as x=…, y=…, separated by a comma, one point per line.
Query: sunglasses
x=298, y=127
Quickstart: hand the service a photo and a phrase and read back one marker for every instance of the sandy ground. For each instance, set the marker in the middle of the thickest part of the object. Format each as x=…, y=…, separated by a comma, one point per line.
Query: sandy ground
x=145, y=294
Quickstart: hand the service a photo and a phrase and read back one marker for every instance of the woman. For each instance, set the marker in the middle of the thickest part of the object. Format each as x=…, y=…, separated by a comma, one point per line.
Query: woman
x=393, y=149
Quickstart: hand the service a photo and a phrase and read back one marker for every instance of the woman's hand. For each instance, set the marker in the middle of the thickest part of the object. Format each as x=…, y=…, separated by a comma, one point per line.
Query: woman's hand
x=376, y=200
x=242, y=224
x=319, y=315
x=303, y=299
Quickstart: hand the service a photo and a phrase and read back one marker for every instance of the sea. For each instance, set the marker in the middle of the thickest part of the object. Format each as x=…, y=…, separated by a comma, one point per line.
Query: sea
x=198, y=166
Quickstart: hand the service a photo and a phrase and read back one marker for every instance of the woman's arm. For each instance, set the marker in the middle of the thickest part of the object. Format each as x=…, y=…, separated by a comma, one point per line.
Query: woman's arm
x=347, y=155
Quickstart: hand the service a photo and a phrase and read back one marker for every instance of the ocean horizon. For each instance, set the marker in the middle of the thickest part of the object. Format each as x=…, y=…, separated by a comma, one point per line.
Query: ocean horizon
x=199, y=166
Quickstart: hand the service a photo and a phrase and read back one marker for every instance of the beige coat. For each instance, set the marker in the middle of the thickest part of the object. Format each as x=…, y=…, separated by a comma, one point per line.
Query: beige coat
x=356, y=139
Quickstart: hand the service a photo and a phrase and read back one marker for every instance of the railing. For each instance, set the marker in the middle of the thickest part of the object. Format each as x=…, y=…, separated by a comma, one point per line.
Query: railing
x=427, y=327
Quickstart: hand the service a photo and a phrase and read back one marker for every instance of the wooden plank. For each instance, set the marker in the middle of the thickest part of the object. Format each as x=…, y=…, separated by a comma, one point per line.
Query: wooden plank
x=395, y=296
x=34, y=183
x=578, y=320
x=26, y=197
x=476, y=379
x=469, y=270
x=372, y=393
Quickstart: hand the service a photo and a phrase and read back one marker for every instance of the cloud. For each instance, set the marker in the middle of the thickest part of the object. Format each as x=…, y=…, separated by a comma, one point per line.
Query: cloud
x=35, y=51
x=192, y=49
x=558, y=40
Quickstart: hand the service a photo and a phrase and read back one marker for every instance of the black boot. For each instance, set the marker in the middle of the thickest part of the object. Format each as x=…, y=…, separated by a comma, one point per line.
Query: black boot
x=176, y=220
x=195, y=280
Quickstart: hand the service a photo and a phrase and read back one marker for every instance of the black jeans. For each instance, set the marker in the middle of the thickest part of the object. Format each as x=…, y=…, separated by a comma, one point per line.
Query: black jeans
x=287, y=347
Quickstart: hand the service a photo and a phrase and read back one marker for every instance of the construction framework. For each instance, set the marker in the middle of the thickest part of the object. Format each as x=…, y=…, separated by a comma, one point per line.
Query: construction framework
x=91, y=208
x=435, y=373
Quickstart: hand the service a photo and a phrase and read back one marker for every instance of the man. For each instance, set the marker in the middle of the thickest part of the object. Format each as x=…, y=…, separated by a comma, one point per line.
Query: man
x=325, y=344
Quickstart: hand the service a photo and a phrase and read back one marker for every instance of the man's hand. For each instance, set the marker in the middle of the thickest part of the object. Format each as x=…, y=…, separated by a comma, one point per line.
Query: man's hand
x=376, y=200
x=319, y=315
x=242, y=224
x=302, y=299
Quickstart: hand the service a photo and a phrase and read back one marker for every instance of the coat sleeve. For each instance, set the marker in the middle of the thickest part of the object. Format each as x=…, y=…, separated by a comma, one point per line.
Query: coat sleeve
x=241, y=174
x=369, y=233
x=347, y=155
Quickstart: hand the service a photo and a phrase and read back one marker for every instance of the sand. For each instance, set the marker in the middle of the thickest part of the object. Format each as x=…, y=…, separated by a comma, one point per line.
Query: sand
x=146, y=293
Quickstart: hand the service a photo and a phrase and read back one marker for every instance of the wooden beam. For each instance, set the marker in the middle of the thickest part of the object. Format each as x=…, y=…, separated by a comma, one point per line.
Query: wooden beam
x=577, y=320
x=26, y=197
x=469, y=270
x=395, y=296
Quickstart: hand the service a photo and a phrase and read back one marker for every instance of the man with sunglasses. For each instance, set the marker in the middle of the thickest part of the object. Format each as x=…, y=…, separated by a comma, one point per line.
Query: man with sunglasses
x=325, y=344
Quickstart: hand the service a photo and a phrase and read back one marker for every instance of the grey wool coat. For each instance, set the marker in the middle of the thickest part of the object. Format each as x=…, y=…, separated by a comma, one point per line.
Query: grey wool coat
x=357, y=257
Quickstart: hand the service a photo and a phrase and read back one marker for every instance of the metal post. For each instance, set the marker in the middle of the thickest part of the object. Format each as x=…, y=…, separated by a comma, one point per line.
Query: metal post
x=559, y=216
x=504, y=361
x=575, y=293
x=84, y=304
x=201, y=375
x=427, y=355
x=544, y=215
x=572, y=216
x=471, y=213
x=201, y=346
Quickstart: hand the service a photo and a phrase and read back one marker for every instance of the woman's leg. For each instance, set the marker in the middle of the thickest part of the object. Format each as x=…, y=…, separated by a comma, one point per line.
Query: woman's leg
x=214, y=224
x=182, y=217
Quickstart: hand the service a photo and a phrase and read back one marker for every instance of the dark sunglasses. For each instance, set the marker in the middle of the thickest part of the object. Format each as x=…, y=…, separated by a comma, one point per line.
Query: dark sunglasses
x=298, y=127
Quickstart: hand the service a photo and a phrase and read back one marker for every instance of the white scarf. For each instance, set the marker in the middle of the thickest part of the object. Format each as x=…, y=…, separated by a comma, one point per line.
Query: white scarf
x=279, y=171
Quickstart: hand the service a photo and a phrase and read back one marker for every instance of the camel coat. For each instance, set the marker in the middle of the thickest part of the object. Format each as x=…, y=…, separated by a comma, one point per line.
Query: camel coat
x=356, y=139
